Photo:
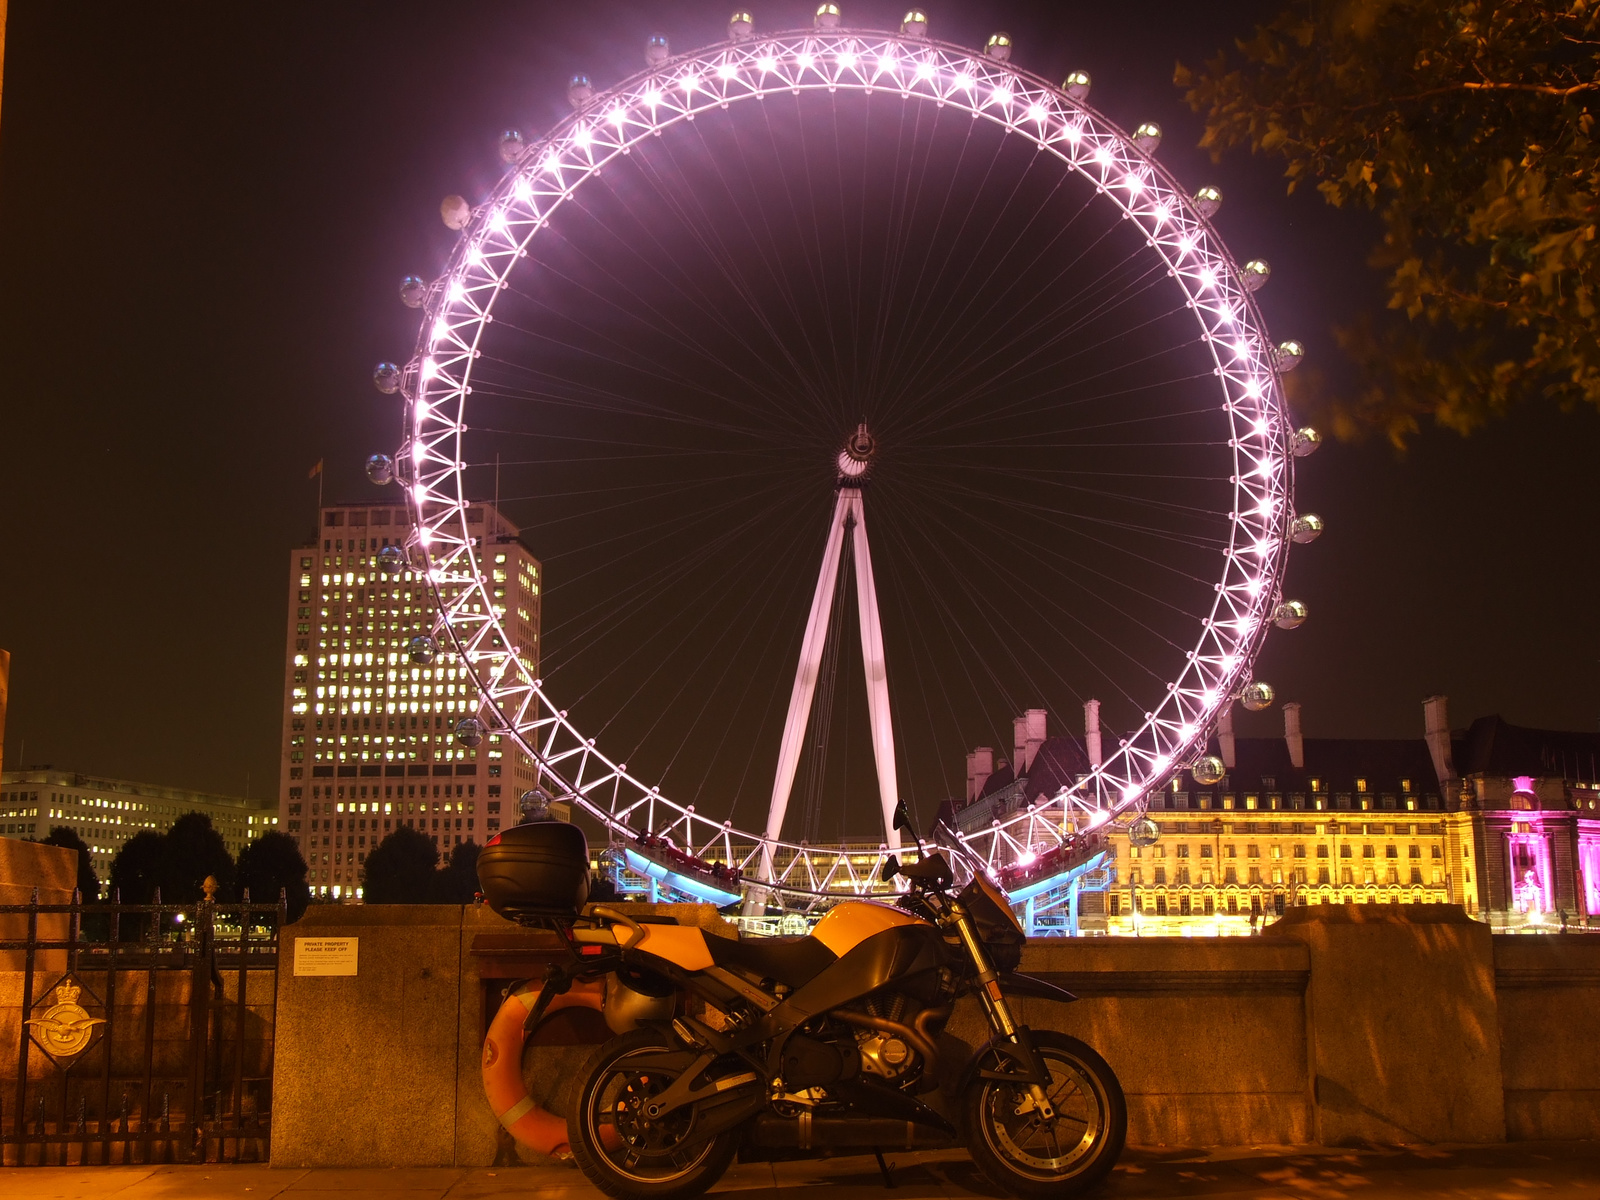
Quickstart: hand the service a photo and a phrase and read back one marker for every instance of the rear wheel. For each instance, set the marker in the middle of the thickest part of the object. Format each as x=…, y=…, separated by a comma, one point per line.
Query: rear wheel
x=623, y=1152
x=1040, y=1159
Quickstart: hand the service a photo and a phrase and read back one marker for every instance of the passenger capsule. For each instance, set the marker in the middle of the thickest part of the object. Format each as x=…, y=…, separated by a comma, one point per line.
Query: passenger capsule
x=579, y=91
x=657, y=50
x=1306, y=528
x=1147, y=137
x=1306, y=441
x=1208, y=200
x=380, y=469
x=534, y=805
x=386, y=378
x=1254, y=275
x=914, y=24
x=413, y=291
x=1256, y=696
x=741, y=27
x=422, y=650
x=1289, y=355
x=469, y=732
x=1143, y=832
x=1076, y=85
x=455, y=212
x=998, y=47
x=827, y=16
x=1208, y=770
x=1291, y=614
x=391, y=560
x=511, y=146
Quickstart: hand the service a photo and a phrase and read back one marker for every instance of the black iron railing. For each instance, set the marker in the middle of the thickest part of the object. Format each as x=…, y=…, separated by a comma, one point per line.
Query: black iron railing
x=144, y=1032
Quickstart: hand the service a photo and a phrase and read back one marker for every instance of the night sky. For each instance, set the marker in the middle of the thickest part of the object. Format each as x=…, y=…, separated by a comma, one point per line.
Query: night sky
x=203, y=220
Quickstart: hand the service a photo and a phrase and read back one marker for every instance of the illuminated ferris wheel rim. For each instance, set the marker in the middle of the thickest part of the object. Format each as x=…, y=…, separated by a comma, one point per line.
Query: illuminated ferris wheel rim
x=437, y=384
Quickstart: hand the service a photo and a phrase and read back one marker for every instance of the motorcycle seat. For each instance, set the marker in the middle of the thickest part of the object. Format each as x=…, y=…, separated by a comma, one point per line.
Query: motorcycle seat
x=792, y=961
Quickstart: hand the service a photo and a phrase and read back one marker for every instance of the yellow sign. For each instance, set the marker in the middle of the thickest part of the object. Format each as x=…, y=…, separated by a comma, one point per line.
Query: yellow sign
x=325, y=956
x=66, y=1028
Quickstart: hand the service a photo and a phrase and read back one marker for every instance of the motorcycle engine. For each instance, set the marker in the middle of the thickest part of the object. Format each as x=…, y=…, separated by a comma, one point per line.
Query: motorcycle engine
x=885, y=1054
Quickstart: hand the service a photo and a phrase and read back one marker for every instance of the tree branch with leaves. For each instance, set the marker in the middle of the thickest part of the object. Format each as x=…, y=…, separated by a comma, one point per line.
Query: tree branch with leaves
x=1468, y=129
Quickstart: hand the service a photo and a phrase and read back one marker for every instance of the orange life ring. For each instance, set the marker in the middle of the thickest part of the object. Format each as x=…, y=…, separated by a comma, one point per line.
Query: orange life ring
x=502, y=1065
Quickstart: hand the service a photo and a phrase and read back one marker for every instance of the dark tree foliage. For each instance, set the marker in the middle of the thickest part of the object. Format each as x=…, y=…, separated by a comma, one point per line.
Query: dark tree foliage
x=136, y=871
x=193, y=850
x=88, y=881
x=1468, y=127
x=401, y=869
x=458, y=882
x=176, y=861
x=270, y=864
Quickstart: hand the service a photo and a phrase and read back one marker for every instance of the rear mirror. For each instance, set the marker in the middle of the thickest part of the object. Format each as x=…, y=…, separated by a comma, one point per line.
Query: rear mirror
x=891, y=868
x=902, y=818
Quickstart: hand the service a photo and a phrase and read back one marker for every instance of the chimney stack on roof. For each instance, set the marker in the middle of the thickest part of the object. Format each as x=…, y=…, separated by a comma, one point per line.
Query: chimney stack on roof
x=980, y=765
x=1230, y=757
x=1091, y=731
x=1436, y=727
x=1028, y=732
x=1291, y=734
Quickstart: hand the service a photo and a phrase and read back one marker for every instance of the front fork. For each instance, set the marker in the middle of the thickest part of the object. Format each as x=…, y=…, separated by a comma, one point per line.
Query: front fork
x=998, y=1009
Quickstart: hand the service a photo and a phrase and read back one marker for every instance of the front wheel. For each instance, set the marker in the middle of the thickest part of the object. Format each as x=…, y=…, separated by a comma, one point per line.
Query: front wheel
x=626, y=1154
x=1045, y=1160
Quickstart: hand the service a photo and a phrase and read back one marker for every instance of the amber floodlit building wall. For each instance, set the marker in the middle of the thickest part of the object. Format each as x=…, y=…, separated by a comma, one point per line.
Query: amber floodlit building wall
x=1500, y=819
x=368, y=743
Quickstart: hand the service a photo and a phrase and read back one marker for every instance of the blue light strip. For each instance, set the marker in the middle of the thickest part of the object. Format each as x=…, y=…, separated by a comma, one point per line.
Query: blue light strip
x=678, y=881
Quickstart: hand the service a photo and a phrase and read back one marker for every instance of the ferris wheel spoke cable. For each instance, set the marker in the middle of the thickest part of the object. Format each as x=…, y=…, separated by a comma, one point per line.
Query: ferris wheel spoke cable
x=936, y=350
x=636, y=410
x=911, y=176
x=1033, y=442
x=685, y=452
x=1074, y=578
x=708, y=236
x=1133, y=501
x=706, y=612
x=612, y=350
x=652, y=487
x=675, y=330
x=1064, y=272
x=706, y=306
x=584, y=633
x=1079, y=570
x=983, y=608
x=640, y=588
x=912, y=315
x=987, y=379
x=771, y=597
x=956, y=622
x=1012, y=365
x=949, y=625
x=643, y=537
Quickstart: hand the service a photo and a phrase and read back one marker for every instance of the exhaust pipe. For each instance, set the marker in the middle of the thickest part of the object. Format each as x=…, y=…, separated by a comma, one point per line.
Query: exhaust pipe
x=807, y=1132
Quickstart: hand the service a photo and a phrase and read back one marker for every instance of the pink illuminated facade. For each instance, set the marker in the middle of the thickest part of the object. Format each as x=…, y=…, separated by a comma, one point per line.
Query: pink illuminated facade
x=1525, y=822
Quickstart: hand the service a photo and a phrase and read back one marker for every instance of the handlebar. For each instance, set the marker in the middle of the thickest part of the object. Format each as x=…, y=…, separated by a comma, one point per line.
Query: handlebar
x=932, y=872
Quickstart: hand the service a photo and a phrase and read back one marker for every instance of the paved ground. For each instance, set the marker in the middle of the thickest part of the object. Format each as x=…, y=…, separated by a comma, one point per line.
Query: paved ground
x=1536, y=1171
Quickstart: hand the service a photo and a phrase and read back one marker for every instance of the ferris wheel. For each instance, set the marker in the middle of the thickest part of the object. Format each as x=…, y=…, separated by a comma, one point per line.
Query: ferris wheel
x=733, y=305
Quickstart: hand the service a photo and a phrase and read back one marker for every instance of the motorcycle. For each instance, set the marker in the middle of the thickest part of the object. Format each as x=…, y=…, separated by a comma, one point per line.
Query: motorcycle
x=829, y=1041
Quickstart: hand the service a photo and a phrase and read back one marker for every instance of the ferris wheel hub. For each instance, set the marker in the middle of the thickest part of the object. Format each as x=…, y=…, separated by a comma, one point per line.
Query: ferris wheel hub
x=855, y=460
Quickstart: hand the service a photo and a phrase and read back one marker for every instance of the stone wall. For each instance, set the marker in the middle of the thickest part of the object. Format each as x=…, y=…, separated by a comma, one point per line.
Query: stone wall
x=1344, y=1024
x=25, y=867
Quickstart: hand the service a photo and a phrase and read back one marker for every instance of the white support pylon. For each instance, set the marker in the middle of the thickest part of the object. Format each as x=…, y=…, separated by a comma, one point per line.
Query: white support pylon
x=849, y=521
